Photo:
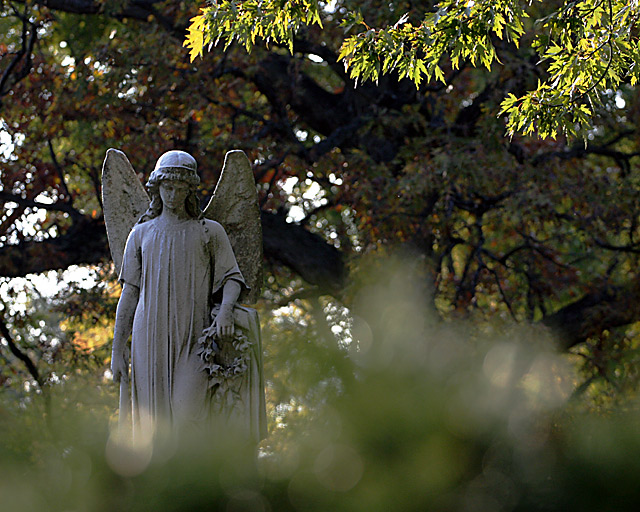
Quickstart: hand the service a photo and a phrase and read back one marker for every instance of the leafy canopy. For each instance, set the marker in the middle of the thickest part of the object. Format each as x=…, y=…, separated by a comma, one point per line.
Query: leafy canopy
x=585, y=49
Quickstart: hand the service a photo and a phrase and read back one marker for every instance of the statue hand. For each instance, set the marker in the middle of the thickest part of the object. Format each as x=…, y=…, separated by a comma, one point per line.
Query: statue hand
x=224, y=322
x=119, y=366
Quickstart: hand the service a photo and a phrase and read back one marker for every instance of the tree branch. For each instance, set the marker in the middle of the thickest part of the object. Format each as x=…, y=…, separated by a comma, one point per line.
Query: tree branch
x=604, y=308
x=138, y=9
x=13, y=347
x=85, y=242
x=6, y=197
x=580, y=151
x=303, y=293
x=308, y=254
x=60, y=172
x=632, y=248
x=134, y=9
x=28, y=42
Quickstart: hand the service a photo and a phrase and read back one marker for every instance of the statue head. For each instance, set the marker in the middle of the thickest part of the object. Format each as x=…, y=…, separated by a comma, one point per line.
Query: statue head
x=173, y=165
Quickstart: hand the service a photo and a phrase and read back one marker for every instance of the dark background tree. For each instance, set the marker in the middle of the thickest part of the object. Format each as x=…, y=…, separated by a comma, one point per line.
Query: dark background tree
x=507, y=230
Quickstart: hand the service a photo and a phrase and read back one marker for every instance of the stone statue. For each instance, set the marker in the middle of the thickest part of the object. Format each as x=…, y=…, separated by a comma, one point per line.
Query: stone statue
x=195, y=352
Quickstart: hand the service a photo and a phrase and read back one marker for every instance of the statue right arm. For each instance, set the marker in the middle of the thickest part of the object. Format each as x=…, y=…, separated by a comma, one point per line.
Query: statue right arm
x=124, y=323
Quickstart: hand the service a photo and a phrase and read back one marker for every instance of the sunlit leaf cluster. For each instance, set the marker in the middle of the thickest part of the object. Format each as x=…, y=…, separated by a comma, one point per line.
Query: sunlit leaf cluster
x=268, y=21
x=589, y=49
x=461, y=30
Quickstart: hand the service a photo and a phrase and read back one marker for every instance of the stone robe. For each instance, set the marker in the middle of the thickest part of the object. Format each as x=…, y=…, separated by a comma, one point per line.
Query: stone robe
x=179, y=270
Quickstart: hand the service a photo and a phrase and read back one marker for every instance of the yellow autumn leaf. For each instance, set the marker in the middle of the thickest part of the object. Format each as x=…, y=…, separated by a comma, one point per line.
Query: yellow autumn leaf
x=195, y=37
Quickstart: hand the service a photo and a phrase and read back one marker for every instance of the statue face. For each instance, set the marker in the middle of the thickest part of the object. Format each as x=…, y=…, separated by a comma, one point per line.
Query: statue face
x=173, y=194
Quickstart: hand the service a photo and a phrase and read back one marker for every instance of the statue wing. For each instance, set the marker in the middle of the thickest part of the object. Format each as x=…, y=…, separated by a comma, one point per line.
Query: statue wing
x=124, y=200
x=235, y=205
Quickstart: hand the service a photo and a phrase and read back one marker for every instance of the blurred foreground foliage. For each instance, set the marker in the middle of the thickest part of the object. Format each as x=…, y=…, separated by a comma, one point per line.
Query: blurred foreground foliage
x=404, y=413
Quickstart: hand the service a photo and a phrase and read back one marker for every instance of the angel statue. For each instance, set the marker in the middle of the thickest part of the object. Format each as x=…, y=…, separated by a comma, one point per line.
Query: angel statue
x=195, y=351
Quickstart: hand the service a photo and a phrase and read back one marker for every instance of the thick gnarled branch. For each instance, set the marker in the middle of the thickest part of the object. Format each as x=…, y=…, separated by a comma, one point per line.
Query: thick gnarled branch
x=605, y=308
x=317, y=262
x=84, y=243
x=308, y=254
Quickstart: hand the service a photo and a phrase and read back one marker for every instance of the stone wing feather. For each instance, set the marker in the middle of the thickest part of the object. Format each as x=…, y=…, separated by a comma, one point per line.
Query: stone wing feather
x=235, y=205
x=124, y=200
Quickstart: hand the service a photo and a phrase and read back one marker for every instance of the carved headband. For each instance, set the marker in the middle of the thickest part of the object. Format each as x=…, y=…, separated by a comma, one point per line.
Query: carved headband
x=183, y=174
